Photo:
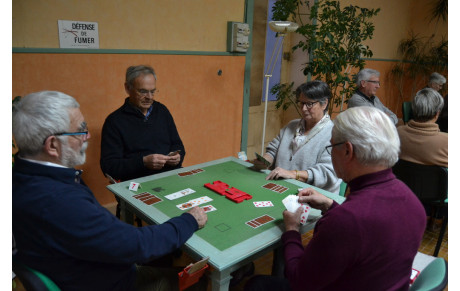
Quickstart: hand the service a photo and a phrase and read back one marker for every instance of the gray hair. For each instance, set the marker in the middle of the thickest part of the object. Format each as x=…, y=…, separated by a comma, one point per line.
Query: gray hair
x=135, y=71
x=39, y=115
x=316, y=90
x=365, y=74
x=437, y=78
x=426, y=104
x=373, y=135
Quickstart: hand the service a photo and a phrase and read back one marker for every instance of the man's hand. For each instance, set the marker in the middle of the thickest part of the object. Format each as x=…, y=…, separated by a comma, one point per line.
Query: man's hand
x=200, y=216
x=292, y=220
x=155, y=161
x=315, y=199
x=173, y=160
x=280, y=173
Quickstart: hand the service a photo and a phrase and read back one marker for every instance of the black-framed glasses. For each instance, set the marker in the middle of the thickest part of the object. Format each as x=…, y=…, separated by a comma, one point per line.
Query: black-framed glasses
x=145, y=93
x=375, y=82
x=83, y=133
x=329, y=147
x=308, y=104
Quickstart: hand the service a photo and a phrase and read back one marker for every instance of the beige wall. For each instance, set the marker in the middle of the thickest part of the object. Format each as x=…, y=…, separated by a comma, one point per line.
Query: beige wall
x=189, y=85
x=190, y=25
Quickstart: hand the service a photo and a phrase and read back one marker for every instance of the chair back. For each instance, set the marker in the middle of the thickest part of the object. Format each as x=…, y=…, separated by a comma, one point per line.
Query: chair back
x=432, y=278
x=32, y=279
x=407, y=111
x=343, y=189
x=429, y=183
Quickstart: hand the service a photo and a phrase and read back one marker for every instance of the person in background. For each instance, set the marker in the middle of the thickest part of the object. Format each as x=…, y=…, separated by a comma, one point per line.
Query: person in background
x=361, y=244
x=368, y=82
x=59, y=227
x=436, y=82
x=298, y=150
x=421, y=140
x=140, y=138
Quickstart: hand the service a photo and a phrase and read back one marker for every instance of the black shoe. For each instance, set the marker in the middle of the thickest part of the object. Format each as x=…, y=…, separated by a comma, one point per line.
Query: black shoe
x=238, y=275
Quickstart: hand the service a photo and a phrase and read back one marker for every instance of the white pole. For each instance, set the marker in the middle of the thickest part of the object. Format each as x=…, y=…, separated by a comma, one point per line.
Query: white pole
x=265, y=113
x=268, y=74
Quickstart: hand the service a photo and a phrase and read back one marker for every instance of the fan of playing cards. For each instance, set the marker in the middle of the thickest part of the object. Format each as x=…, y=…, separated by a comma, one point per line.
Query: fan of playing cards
x=291, y=202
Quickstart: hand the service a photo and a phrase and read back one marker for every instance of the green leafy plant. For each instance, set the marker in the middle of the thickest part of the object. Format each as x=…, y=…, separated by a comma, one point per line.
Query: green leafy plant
x=334, y=40
x=420, y=56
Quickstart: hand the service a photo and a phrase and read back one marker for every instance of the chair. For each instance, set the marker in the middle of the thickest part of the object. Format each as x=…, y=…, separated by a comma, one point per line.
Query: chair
x=432, y=278
x=429, y=183
x=32, y=279
x=407, y=111
x=343, y=189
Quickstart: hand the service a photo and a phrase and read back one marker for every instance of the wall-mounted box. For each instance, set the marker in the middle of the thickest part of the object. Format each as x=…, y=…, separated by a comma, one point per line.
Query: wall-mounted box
x=237, y=37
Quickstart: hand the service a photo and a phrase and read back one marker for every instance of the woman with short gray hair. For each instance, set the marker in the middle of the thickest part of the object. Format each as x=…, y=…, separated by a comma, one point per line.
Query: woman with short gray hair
x=421, y=140
x=298, y=151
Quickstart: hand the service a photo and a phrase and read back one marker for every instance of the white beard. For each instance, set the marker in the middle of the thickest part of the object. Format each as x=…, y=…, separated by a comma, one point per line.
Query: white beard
x=71, y=158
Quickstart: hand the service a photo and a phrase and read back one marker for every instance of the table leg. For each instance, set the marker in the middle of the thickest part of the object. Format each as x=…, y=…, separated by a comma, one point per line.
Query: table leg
x=220, y=280
x=126, y=215
x=278, y=262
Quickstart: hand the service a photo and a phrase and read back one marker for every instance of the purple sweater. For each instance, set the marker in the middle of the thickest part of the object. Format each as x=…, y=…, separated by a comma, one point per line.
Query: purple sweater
x=367, y=243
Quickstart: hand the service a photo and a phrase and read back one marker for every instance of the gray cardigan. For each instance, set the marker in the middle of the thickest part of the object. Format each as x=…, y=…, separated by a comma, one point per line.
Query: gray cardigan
x=311, y=157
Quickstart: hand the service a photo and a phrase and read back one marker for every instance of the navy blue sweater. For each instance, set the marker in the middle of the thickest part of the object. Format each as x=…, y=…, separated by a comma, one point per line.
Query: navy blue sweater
x=62, y=231
x=127, y=136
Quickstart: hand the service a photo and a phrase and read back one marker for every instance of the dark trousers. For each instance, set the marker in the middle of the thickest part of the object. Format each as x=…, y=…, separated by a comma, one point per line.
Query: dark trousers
x=267, y=283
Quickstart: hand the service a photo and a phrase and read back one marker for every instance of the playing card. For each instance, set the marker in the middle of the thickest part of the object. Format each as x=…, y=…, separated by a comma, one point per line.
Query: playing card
x=133, y=186
x=263, y=204
x=291, y=203
x=179, y=194
x=260, y=221
x=208, y=208
x=306, y=211
x=194, y=202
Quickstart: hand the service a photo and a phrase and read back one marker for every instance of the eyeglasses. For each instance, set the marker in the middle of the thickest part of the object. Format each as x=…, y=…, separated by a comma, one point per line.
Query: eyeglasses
x=308, y=104
x=84, y=133
x=329, y=147
x=375, y=82
x=145, y=93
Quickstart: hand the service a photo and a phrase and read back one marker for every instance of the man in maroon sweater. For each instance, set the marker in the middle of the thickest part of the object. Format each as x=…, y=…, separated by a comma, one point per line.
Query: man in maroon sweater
x=369, y=242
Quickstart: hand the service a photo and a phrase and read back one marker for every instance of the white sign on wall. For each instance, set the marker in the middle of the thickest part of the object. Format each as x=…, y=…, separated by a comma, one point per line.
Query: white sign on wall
x=78, y=34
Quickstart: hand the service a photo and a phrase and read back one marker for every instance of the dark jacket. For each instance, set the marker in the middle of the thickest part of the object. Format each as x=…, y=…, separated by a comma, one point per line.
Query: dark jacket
x=127, y=136
x=62, y=231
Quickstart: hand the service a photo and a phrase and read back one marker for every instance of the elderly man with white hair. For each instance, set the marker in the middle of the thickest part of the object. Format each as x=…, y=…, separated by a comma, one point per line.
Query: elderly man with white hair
x=59, y=227
x=369, y=241
x=367, y=82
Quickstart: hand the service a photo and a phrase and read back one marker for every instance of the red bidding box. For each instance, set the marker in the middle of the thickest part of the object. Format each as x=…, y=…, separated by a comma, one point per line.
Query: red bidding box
x=232, y=193
x=186, y=280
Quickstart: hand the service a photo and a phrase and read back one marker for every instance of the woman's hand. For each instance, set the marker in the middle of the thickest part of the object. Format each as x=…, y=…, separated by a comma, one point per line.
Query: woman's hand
x=280, y=173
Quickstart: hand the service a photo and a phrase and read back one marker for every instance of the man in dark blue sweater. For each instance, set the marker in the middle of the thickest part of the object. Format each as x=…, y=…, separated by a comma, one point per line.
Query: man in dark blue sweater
x=140, y=138
x=59, y=227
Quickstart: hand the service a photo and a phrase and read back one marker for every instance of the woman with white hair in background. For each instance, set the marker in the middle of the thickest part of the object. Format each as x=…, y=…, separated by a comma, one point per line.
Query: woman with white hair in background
x=421, y=140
